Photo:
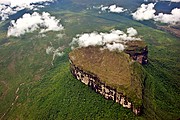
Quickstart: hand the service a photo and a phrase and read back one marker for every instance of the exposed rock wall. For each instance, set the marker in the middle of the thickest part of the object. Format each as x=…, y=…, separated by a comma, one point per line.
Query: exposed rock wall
x=108, y=92
x=140, y=56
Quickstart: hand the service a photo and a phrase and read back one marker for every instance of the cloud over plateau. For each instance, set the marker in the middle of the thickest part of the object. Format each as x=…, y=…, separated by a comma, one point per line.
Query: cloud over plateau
x=112, y=40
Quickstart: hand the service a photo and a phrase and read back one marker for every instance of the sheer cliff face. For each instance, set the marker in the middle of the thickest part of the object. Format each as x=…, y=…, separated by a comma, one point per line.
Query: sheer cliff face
x=102, y=88
x=115, y=75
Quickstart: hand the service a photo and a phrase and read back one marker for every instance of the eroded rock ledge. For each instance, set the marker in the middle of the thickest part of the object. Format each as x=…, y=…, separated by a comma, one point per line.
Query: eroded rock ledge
x=138, y=51
x=108, y=92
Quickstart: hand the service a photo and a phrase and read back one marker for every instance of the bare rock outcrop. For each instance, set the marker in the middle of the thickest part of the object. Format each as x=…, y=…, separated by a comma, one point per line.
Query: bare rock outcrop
x=138, y=51
x=108, y=92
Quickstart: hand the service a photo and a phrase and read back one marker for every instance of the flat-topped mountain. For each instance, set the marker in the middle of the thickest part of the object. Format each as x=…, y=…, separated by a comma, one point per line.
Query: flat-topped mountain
x=113, y=74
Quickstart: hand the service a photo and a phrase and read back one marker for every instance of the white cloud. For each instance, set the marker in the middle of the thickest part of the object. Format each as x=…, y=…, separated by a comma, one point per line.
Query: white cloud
x=131, y=32
x=162, y=0
x=147, y=12
x=55, y=52
x=89, y=39
x=9, y=7
x=110, y=37
x=112, y=40
x=104, y=8
x=112, y=8
x=30, y=23
x=172, y=18
x=15, y=3
x=115, y=46
x=169, y=0
x=5, y=11
x=175, y=0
